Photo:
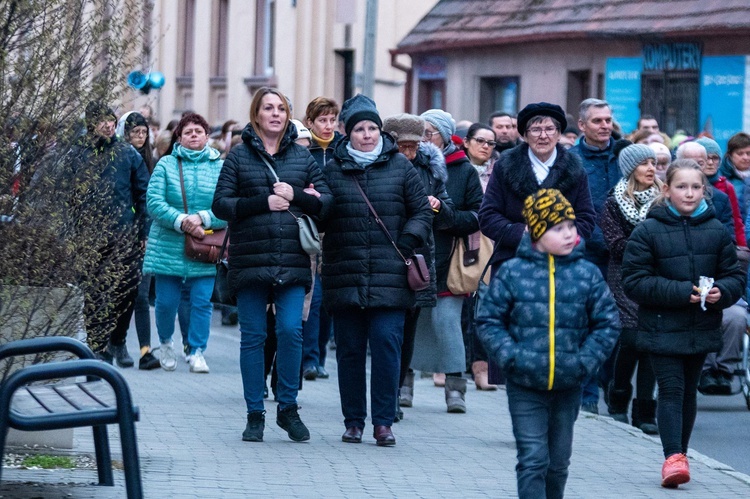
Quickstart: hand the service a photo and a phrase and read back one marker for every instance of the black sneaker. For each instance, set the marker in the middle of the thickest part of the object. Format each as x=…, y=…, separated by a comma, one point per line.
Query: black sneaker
x=256, y=422
x=709, y=383
x=288, y=419
x=121, y=355
x=104, y=356
x=723, y=383
x=148, y=362
x=322, y=373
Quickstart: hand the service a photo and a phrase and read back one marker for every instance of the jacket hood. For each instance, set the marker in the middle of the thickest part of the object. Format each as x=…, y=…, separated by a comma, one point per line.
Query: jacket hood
x=253, y=141
x=527, y=251
x=347, y=163
x=727, y=169
x=208, y=153
x=430, y=156
x=663, y=214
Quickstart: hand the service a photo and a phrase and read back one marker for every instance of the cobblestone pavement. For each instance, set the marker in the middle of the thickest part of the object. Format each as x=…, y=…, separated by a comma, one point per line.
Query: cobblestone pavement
x=190, y=446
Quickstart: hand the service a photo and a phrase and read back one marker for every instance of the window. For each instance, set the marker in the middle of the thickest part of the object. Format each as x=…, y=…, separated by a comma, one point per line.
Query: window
x=186, y=37
x=219, y=39
x=498, y=94
x=265, y=36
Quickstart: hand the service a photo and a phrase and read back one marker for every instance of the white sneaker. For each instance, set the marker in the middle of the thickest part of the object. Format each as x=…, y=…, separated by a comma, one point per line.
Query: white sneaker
x=168, y=358
x=198, y=363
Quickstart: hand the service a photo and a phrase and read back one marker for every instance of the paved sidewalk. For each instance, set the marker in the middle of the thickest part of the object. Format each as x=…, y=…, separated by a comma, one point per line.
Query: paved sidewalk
x=190, y=447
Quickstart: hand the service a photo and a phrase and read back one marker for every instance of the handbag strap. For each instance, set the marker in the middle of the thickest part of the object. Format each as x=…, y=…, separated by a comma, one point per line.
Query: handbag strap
x=182, y=185
x=377, y=219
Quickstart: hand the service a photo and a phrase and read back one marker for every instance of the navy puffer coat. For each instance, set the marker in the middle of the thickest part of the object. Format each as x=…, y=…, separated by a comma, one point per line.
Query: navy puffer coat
x=264, y=245
x=361, y=269
x=664, y=257
x=515, y=319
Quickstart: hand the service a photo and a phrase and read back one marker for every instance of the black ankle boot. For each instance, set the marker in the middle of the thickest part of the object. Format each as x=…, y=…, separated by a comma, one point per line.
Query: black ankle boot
x=256, y=422
x=644, y=416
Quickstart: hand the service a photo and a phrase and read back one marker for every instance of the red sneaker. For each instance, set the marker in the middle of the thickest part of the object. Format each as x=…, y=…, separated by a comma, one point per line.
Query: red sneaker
x=675, y=471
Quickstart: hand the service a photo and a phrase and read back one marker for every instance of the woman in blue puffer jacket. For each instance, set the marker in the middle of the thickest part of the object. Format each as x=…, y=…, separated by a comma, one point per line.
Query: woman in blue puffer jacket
x=165, y=254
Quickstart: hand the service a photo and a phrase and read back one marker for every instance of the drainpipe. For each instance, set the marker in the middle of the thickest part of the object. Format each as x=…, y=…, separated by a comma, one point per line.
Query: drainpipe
x=407, y=88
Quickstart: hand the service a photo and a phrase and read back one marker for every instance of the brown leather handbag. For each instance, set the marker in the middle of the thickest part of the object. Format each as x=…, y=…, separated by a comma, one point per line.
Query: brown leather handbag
x=207, y=249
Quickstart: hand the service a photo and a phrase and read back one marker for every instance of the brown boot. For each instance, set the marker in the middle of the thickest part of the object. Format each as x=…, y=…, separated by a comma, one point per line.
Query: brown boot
x=480, y=369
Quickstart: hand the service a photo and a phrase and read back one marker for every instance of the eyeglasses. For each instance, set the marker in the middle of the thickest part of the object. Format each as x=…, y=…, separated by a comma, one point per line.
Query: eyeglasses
x=428, y=135
x=407, y=147
x=537, y=131
x=713, y=158
x=484, y=142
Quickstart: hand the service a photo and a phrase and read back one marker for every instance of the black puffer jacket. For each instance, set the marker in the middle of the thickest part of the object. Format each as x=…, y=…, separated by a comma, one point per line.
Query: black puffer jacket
x=264, y=245
x=360, y=266
x=465, y=191
x=430, y=164
x=664, y=257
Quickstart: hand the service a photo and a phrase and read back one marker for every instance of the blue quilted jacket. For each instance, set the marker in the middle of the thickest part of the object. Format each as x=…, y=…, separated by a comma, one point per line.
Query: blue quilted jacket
x=548, y=321
x=165, y=252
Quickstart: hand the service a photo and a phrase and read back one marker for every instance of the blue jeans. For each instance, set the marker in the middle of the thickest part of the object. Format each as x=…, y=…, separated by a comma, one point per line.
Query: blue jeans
x=590, y=394
x=384, y=328
x=251, y=307
x=168, y=292
x=311, y=329
x=543, y=427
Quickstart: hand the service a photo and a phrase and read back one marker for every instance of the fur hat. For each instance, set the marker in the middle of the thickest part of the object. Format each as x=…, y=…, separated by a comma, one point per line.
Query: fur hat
x=302, y=131
x=712, y=147
x=545, y=209
x=404, y=127
x=359, y=108
x=443, y=123
x=632, y=156
x=541, y=109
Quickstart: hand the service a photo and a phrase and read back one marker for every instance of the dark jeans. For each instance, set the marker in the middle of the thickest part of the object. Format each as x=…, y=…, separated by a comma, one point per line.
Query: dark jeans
x=407, y=348
x=543, y=427
x=142, y=312
x=384, y=329
x=311, y=329
x=324, y=336
x=677, y=377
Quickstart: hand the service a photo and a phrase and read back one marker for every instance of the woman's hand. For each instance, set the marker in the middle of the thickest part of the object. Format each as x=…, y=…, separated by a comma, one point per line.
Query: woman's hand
x=191, y=222
x=714, y=295
x=283, y=190
x=198, y=232
x=277, y=203
x=311, y=190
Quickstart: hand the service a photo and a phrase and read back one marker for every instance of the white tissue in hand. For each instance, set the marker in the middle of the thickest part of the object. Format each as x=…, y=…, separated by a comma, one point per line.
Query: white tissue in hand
x=705, y=284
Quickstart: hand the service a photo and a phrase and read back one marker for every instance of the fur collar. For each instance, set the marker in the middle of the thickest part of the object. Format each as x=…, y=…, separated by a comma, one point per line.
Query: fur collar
x=518, y=173
x=431, y=157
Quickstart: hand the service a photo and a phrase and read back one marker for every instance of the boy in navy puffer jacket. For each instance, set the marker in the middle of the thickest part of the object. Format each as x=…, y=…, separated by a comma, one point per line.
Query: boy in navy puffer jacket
x=549, y=320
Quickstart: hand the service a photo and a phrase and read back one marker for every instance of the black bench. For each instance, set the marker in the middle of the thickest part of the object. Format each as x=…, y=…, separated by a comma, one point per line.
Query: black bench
x=104, y=398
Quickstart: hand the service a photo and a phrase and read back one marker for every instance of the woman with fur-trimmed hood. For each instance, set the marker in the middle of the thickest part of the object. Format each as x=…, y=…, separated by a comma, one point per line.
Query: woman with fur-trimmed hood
x=428, y=159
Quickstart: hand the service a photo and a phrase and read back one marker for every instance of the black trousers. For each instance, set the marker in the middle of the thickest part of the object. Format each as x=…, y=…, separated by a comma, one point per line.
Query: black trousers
x=677, y=377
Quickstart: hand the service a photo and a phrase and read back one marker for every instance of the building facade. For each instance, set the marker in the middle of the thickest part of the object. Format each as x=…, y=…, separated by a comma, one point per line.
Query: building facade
x=686, y=62
x=216, y=53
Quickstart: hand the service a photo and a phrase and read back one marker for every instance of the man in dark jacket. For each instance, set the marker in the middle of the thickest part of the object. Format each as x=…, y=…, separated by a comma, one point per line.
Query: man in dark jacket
x=596, y=150
x=506, y=131
x=538, y=163
x=123, y=177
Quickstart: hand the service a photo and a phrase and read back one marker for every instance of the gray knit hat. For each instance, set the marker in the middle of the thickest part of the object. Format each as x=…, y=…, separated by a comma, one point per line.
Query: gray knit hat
x=632, y=156
x=712, y=147
x=443, y=123
x=359, y=108
x=404, y=127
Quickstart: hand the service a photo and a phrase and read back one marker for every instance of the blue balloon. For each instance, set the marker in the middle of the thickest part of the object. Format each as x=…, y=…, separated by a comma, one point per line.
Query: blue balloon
x=156, y=79
x=137, y=80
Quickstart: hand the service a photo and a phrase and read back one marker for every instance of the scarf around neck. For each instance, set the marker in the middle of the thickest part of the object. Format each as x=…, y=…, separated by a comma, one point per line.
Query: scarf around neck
x=323, y=143
x=634, y=210
x=365, y=158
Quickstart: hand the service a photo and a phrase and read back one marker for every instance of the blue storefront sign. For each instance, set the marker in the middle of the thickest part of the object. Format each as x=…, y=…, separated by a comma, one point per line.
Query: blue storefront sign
x=722, y=95
x=623, y=90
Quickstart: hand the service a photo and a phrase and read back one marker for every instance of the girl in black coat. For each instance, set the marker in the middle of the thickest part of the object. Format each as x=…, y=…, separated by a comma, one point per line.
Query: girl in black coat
x=678, y=323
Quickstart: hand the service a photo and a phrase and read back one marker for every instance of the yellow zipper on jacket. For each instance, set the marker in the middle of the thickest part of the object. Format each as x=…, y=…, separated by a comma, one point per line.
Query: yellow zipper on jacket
x=551, y=321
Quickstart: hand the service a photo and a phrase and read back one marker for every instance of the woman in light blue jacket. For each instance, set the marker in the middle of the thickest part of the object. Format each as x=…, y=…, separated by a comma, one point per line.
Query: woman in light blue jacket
x=165, y=253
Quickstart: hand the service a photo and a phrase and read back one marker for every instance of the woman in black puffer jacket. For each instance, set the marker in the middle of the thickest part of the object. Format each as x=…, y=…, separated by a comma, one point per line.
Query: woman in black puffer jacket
x=364, y=279
x=265, y=180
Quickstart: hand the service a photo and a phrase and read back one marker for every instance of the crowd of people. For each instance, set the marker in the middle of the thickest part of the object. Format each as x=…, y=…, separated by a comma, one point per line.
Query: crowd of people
x=608, y=254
